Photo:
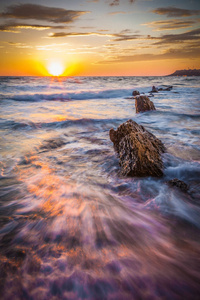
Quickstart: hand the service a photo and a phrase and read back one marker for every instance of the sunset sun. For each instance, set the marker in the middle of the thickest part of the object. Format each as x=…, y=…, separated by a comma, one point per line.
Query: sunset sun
x=55, y=68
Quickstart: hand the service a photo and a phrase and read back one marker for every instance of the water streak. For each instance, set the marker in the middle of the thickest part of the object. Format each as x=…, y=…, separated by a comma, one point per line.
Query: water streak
x=71, y=227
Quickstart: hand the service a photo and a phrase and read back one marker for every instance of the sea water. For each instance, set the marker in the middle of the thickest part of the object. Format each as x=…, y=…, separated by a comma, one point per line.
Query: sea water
x=71, y=227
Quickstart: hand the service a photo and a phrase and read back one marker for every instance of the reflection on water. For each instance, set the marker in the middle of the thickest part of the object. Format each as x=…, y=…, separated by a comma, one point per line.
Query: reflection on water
x=68, y=234
x=72, y=228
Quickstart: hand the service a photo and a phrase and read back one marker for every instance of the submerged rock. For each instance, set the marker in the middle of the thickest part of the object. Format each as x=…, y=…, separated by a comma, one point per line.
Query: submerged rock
x=154, y=89
x=168, y=88
x=143, y=103
x=150, y=95
x=179, y=184
x=136, y=93
x=139, y=150
x=52, y=144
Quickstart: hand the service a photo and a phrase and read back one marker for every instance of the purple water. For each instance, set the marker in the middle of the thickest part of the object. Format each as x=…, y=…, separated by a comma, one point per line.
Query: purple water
x=71, y=227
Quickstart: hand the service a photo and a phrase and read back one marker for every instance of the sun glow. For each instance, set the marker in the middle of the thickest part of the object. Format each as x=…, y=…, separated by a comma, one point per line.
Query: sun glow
x=55, y=68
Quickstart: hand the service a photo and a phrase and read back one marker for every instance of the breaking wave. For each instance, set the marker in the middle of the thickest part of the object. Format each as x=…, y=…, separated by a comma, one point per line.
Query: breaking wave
x=83, y=95
x=84, y=122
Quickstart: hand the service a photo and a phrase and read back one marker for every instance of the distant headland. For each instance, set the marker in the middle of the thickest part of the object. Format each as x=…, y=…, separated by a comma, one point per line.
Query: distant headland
x=189, y=72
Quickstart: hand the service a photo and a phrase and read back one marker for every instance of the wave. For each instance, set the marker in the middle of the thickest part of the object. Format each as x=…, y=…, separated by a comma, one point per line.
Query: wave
x=83, y=95
x=40, y=97
x=172, y=202
x=9, y=124
x=184, y=171
x=176, y=114
x=84, y=122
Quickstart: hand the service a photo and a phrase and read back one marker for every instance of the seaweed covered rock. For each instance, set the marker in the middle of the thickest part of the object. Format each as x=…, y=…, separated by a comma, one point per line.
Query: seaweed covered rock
x=179, y=184
x=143, y=103
x=139, y=150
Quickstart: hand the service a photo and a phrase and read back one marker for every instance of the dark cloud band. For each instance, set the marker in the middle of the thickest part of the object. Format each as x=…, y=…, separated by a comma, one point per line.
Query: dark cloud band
x=172, y=24
x=175, y=12
x=179, y=38
x=42, y=13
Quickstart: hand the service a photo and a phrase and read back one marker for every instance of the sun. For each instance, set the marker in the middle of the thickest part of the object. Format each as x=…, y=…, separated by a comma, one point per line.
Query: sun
x=55, y=68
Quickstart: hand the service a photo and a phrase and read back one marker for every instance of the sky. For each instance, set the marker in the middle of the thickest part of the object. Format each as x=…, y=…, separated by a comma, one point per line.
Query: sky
x=99, y=37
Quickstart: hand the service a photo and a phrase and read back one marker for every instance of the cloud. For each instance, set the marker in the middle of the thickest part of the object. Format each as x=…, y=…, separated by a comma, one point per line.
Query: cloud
x=116, y=2
x=19, y=45
x=14, y=27
x=179, y=38
x=87, y=27
x=8, y=28
x=194, y=44
x=111, y=45
x=171, y=24
x=127, y=35
x=74, y=34
x=67, y=48
x=58, y=34
x=168, y=54
x=171, y=11
x=42, y=13
x=118, y=37
x=117, y=12
x=54, y=47
x=103, y=30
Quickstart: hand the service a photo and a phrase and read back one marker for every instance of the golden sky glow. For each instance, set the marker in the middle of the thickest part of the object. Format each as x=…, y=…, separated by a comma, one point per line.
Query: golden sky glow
x=97, y=37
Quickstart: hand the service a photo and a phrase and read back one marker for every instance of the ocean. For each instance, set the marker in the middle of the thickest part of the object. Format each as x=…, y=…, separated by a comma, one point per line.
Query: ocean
x=71, y=226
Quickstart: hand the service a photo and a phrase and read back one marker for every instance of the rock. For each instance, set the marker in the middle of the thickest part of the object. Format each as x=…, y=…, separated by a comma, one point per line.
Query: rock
x=154, y=89
x=179, y=184
x=143, y=103
x=151, y=95
x=139, y=150
x=136, y=93
x=52, y=144
x=168, y=88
